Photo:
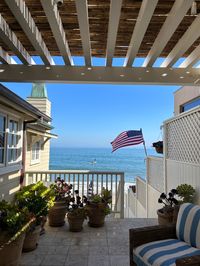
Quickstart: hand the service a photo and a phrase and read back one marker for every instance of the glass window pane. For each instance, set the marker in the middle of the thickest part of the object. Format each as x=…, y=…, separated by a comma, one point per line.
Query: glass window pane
x=2, y=140
x=10, y=126
x=15, y=126
x=9, y=139
x=2, y=123
x=1, y=155
x=9, y=155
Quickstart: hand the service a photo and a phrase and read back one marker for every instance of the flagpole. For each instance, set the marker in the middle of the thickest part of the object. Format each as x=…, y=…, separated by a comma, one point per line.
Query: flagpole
x=145, y=149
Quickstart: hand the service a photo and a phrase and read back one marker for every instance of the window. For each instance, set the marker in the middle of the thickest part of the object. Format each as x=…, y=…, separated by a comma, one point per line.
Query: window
x=14, y=151
x=10, y=141
x=35, y=158
x=190, y=105
x=2, y=138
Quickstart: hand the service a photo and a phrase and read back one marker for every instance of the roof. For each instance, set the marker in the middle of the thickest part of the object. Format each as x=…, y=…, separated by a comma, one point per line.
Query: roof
x=129, y=29
x=14, y=98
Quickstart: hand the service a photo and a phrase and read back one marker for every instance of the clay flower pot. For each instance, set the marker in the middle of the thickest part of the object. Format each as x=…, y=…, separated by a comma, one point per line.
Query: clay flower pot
x=57, y=214
x=31, y=239
x=165, y=218
x=96, y=214
x=75, y=222
x=10, y=254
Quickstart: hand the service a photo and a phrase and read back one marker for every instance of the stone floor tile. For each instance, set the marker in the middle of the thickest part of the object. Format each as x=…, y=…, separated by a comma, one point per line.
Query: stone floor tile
x=79, y=250
x=74, y=260
x=119, y=260
x=98, y=250
x=32, y=260
x=97, y=260
x=54, y=260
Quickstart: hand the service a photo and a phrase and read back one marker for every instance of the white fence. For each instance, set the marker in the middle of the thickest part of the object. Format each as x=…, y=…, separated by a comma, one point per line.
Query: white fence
x=81, y=180
x=155, y=173
x=182, y=137
x=141, y=191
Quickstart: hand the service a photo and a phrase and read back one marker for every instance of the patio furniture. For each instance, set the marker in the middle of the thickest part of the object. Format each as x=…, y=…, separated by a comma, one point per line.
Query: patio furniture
x=167, y=245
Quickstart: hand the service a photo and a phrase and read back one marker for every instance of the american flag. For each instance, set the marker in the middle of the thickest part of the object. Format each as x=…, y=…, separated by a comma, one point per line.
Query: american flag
x=127, y=138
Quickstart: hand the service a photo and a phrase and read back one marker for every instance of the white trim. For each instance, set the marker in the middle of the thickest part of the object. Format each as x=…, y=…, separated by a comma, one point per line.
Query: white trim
x=10, y=168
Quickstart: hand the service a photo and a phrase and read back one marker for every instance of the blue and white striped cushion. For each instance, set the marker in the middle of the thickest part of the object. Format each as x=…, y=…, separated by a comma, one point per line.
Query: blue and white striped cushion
x=163, y=253
x=188, y=224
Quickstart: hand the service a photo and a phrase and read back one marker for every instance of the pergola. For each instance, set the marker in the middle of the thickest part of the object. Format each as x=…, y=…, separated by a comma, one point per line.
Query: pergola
x=129, y=29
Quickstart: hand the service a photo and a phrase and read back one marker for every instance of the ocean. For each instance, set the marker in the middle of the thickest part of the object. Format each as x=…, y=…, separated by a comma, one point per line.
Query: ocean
x=130, y=161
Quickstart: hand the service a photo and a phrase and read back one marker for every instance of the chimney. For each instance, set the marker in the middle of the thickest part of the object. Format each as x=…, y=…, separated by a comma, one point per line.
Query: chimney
x=39, y=98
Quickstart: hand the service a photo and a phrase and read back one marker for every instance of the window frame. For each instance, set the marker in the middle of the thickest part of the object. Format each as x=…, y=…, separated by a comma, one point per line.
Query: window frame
x=36, y=160
x=7, y=166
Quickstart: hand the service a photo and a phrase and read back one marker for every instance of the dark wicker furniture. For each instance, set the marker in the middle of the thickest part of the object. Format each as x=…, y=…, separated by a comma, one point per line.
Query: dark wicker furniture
x=140, y=236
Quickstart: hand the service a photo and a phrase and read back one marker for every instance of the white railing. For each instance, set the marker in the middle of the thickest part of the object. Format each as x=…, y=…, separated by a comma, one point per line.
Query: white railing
x=141, y=190
x=81, y=179
x=155, y=174
x=182, y=137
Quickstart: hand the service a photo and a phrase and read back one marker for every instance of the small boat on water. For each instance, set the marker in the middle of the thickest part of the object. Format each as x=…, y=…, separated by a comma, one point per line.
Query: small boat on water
x=93, y=162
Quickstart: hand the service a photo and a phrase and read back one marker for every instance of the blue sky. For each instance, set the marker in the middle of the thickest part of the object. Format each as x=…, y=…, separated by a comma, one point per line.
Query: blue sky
x=90, y=115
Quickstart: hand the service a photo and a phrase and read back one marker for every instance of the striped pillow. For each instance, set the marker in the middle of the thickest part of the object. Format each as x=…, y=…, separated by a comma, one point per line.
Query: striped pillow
x=188, y=224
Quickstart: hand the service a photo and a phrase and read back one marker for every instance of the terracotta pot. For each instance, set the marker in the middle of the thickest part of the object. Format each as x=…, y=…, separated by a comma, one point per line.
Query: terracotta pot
x=31, y=239
x=75, y=222
x=96, y=215
x=165, y=218
x=57, y=214
x=10, y=254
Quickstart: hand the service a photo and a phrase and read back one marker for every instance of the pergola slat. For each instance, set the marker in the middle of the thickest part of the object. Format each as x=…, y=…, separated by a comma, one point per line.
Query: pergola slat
x=83, y=20
x=171, y=23
x=115, y=11
x=5, y=58
x=23, y=16
x=11, y=40
x=192, y=59
x=144, y=17
x=183, y=44
x=55, y=23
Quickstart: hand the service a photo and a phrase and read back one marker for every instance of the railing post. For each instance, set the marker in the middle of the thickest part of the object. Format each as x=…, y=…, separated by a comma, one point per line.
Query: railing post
x=122, y=197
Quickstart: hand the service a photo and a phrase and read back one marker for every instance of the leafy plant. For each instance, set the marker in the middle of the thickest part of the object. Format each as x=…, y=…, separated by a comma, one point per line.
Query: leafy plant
x=12, y=219
x=37, y=198
x=61, y=190
x=101, y=201
x=186, y=193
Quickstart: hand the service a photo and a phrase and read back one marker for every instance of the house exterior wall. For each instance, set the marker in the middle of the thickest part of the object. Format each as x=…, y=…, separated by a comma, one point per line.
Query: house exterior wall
x=184, y=95
x=9, y=184
x=43, y=104
x=43, y=163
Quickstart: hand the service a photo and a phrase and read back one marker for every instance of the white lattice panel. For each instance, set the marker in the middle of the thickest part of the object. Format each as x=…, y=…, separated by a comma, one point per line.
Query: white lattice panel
x=183, y=137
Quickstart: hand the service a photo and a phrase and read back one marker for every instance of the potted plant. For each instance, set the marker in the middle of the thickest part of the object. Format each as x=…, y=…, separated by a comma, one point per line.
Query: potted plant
x=12, y=231
x=76, y=213
x=166, y=214
x=158, y=146
x=61, y=191
x=37, y=198
x=186, y=193
x=97, y=207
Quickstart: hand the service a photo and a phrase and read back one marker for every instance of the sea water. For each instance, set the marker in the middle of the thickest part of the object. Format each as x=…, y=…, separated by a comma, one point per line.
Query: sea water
x=131, y=161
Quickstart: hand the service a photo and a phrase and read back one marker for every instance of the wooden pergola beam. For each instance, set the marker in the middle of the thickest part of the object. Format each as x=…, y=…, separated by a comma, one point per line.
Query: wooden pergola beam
x=83, y=20
x=189, y=37
x=99, y=75
x=11, y=40
x=24, y=18
x=114, y=17
x=192, y=59
x=54, y=19
x=5, y=58
x=170, y=25
x=144, y=17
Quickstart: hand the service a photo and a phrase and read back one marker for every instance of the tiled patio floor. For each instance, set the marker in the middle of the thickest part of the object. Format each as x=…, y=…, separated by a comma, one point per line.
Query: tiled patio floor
x=105, y=246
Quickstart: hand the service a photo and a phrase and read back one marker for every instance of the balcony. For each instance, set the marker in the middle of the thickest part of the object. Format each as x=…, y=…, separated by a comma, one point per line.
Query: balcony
x=105, y=246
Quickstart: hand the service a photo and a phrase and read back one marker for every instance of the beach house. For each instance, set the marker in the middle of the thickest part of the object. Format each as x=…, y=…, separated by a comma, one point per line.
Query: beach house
x=24, y=136
x=158, y=43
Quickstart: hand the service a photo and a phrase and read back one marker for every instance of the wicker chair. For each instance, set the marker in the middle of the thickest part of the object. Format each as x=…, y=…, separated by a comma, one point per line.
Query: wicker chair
x=168, y=245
